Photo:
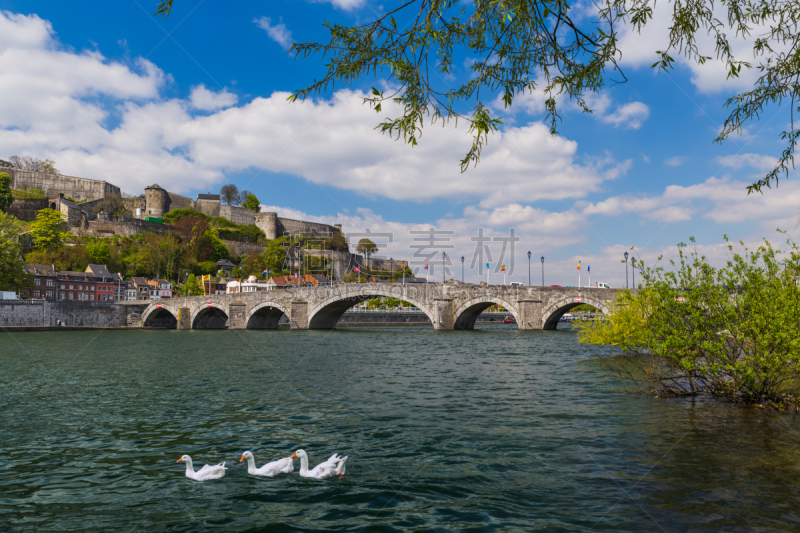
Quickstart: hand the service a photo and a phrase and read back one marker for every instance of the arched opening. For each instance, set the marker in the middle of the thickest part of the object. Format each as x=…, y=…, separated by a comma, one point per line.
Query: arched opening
x=52, y=205
x=210, y=318
x=554, y=313
x=266, y=317
x=328, y=316
x=161, y=318
x=470, y=313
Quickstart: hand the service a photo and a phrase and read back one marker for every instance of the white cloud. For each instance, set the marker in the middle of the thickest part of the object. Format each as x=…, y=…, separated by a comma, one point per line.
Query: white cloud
x=674, y=161
x=205, y=100
x=346, y=5
x=763, y=163
x=631, y=115
x=277, y=32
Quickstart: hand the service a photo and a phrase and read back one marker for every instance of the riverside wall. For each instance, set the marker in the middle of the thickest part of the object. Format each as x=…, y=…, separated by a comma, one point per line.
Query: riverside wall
x=47, y=313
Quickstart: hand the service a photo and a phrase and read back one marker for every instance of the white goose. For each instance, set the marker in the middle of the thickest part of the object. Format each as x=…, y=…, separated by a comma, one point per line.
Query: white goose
x=281, y=466
x=332, y=467
x=205, y=473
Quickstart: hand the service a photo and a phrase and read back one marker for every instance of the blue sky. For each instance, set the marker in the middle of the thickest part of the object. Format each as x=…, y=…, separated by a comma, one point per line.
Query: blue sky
x=199, y=99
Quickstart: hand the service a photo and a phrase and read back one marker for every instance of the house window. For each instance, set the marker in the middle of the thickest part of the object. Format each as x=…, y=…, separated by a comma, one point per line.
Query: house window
x=91, y=296
x=36, y=294
x=38, y=281
x=50, y=283
x=70, y=287
x=49, y=294
x=70, y=296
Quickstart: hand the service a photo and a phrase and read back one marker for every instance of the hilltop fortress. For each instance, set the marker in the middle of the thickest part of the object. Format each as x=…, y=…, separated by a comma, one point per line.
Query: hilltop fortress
x=79, y=198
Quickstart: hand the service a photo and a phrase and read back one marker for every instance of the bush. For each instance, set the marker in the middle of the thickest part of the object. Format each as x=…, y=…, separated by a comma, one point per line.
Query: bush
x=206, y=267
x=731, y=332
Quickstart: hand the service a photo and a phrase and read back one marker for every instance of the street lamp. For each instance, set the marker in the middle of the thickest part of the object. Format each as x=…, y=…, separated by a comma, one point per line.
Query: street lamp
x=462, y=269
x=542, y=271
x=367, y=281
x=626, y=270
x=633, y=270
x=391, y=267
x=529, y=268
x=444, y=254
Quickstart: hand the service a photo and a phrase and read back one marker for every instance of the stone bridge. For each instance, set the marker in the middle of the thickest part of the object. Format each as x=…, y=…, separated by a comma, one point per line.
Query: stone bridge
x=447, y=306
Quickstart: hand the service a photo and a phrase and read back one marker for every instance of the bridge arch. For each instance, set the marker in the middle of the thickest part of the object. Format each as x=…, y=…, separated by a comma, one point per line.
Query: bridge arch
x=265, y=315
x=467, y=313
x=210, y=315
x=326, y=314
x=555, y=310
x=159, y=316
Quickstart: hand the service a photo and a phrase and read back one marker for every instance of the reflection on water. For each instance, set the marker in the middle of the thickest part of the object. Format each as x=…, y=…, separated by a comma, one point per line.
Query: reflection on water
x=492, y=430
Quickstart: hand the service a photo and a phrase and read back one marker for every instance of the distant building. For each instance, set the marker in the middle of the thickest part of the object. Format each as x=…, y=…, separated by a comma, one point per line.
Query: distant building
x=142, y=288
x=44, y=281
x=80, y=286
x=109, y=285
x=225, y=266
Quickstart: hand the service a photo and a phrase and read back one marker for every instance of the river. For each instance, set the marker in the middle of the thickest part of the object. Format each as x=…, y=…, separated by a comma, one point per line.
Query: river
x=486, y=430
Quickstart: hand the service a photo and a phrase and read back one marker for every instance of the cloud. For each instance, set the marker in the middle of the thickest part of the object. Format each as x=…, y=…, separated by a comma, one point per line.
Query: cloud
x=346, y=5
x=631, y=115
x=674, y=161
x=277, y=32
x=205, y=100
x=141, y=137
x=763, y=163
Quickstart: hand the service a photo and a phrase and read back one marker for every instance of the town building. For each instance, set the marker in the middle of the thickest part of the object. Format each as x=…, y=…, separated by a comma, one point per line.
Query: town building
x=44, y=281
x=160, y=289
x=225, y=266
x=130, y=291
x=142, y=288
x=80, y=286
x=110, y=286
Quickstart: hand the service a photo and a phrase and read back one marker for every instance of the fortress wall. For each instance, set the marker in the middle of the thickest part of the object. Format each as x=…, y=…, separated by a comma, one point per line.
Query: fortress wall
x=244, y=248
x=208, y=207
x=53, y=184
x=28, y=209
x=131, y=204
x=301, y=227
x=238, y=215
x=108, y=228
x=176, y=201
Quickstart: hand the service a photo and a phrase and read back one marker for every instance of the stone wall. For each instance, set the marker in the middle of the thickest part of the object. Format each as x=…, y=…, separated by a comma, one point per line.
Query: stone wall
x=238, y=215
x=38, y=313
x=208, y=207
x=244, y=248
x=53, y=184
x=107, y=228
x=274, y=226
x=27, y=209
x=176, y=201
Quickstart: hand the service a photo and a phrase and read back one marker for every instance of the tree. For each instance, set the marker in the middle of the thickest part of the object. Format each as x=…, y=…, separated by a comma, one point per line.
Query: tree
x=192, y=286
x=251, y=202
x=366, y=246
x=731, y=332
x=274, y=256
x=337, y=242
x=6, y=196
x=230, y=194
x=12, y=275
x=113, y=205
x=49, y=229
x=99, y=252
x=47, y=166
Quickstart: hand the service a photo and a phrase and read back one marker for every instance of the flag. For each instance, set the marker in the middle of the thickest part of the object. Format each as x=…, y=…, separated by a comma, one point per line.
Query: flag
x=579, y=264
x=356, y=269
x=503, y=268
x=588, y=268
x=487, y=265
x=296, y=275
x=426, y=267
x=264, y=273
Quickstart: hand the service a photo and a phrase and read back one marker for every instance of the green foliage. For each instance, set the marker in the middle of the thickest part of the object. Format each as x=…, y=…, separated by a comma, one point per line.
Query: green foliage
x=366, y=246
x=337, y=242
x=731, y=331
x=244, y=234
x=98, y=251
x=6, y=195
x=175, y=215
x=274, y=256
x=49, y=229
x=12, y=275
x=206, y=267
x=29, y=194
x=220, y=251
x=227, y=230
x=584, y=308
x=251, y=202
x=73, y=258
x=192, y=286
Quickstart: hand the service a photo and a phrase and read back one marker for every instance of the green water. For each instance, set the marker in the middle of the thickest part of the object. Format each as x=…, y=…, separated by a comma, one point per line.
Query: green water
x=492, y=430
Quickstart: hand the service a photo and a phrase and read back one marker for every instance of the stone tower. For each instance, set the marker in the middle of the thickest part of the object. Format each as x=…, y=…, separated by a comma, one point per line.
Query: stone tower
x=268, y=223
x=155, y=201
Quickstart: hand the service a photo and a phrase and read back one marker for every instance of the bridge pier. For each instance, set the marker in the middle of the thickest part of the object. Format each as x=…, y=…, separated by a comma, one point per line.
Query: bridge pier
x=444, y=314
x=530, y=314
x=298, y=314
x=237, y=315
x=184, y=318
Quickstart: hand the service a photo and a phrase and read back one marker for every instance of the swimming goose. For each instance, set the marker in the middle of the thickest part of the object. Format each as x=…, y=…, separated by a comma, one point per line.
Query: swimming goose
x=281, y=466
x=332, y=467
x=205, y=473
